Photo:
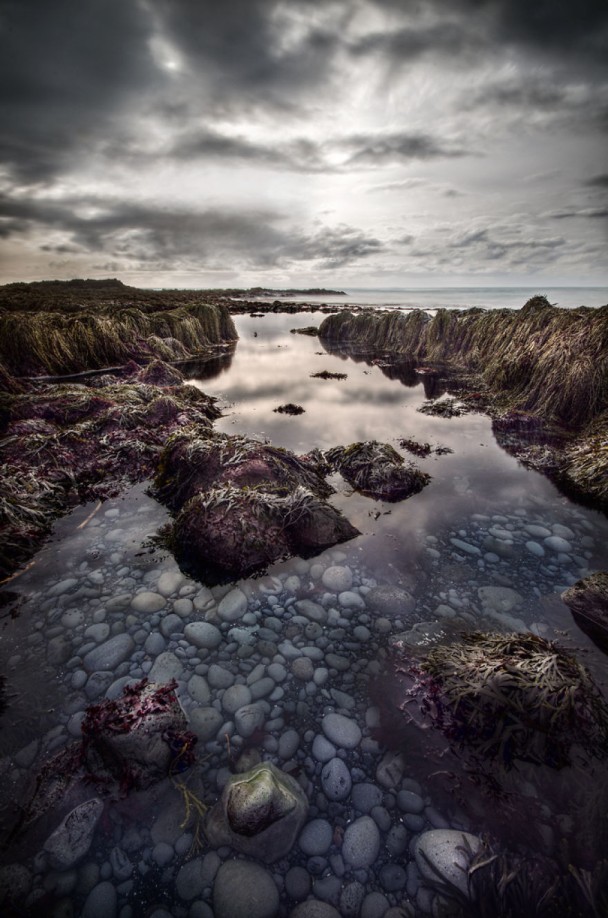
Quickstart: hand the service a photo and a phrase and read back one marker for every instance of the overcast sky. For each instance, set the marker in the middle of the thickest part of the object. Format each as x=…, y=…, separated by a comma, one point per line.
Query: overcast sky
x=297, y=142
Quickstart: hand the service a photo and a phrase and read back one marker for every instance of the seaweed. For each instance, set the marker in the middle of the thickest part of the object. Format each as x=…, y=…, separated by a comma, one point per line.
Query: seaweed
x=290, y=408
x=376, y=469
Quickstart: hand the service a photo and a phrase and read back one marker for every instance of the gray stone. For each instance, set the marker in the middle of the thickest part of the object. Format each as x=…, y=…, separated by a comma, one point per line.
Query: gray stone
x=59, y=650
x=409, y=802
x=350, y=600
x=391, y=601
x=351, y=899
x=539, y=532
x=303, y=669
x=169, y=582
x=15, y=884
x=101, y=901
x=243, y=889
x=341, y=730
x=465, y=547
x=322, y=749
x=110, y=654
x=557, y=544
x=233, y=606
x=203, y=635
x=248, y=719
x=297, y=883
x=235, y=697
x=183, y=607
x=366, y=796
x=218, y=677
x=442, y=858
x=392, y=877
x=260, y=813
x=148, y=602
x=166, y=667
x=336, y=780
x=98, y=684
x=316, y=837
x=499, y=598
x=374, y=905
x=361, y=843
x=337, y=579
x=72, y=838
x=97, y=633
x=162, y=854
x=311, y=610
x=289, y=742
x=154, y=644
x=122, y=868
x=171, y=624
x=190, y=881
x=205, y=722
x=535, y=549
x=314, y=909
x=198, y=689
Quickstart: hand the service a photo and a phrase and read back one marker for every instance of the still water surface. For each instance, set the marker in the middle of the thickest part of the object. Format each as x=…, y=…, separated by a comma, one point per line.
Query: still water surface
x=85, y=578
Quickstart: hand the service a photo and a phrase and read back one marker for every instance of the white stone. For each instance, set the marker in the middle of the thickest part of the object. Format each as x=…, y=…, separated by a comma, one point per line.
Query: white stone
x=233, y=606
x=337, y=579
x=169, y=582
x=442, y=859
x=203, y=634
x=148, y=602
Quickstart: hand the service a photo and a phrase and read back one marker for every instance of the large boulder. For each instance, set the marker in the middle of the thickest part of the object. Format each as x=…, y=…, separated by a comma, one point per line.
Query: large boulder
x=260, y=813
x=137, y=739
x=588, y=602
x=242, y=505
x=377, y=470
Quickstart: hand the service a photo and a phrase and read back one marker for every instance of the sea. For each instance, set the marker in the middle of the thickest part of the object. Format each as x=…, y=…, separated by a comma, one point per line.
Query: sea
x=430, y=298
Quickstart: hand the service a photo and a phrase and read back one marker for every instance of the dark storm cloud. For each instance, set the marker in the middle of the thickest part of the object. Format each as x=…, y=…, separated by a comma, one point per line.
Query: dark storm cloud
x=598, y=181
x=378, y=149
x=582, y=213
x=407, y=44
x=507, y=244
x=560, y=26
x=151, y=234
x=67, y=69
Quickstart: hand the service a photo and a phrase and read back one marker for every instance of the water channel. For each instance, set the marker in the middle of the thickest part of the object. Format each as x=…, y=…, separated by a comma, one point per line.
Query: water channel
x=469, y=549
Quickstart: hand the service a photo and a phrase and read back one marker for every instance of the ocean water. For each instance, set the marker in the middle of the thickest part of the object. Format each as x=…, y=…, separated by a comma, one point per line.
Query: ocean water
x=461, y=297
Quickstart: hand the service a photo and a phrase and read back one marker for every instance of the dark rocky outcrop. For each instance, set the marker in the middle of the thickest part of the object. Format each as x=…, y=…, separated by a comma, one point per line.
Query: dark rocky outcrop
x=242, y=504
x=376, y=469
x=588, y=602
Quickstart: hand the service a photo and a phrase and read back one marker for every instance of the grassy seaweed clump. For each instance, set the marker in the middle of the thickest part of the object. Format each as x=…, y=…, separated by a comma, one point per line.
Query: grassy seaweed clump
x=510, y=697
x=376, y=469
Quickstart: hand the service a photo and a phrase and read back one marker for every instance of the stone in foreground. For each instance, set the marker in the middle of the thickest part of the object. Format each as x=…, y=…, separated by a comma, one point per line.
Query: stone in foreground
x=588, y=602
x=260, y=813
x=443, y=857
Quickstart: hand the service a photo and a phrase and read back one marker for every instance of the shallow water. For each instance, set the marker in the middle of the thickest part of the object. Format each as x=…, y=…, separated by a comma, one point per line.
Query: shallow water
x=462, y=533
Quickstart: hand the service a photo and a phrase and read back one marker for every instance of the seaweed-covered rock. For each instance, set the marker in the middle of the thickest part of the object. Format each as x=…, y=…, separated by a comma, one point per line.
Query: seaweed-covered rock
x=229, y=531
x=376, y=469
x=243, y=504
x=588, y=602
x=137, y=739
x=158, y=373
x=260, y=813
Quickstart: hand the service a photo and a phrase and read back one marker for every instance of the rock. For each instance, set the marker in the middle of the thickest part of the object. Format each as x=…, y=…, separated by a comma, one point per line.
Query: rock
x=409, y=802
x=557, y=544
x=442, y=857
x=218, y=677
x=499, y=599
x=376, y=469
x=122, y=868
x=205, y=722
x=101, y=901
x=133, y=740
x=337, y=579
x=203, y=635
x=361, y=844
x=169, y=582
x=154, y=644
x=289, y=742
x=588, y=603
x=341, y=730
x=198, y=689
x=351, y=899
x=391, y=601
x=248, y=719
x=162, y=854
x=243, y=889
x=72, y=838
x=297, y=882
x=535, y=549
x=15, y=884
x=148, y=602
x=374, y=905
x=466, y=547
x=233, y=606
x=98, y=633
x=314, y=909
x=110, y=654
x=336, y=780
x=316, y=837
x=260, y=813
x=366, y=796
x=322, y=749
x=171, y=624
x=303, y=669
x=166, y=667
x=390, y=770
x=312, y=610
x=235, y=697
x=190, y=881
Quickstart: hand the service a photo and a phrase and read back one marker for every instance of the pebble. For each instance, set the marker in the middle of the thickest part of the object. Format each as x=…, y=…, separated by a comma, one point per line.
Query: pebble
x=341, y=730
x=557, y=544
x=198, y=689
x=303, y=669
x=409, y=802
x=336, y=780
x=535, y=549
x=337, y=579
x=205, y=722
x=235, y=697
x=148, y=602
x=244, y=889
x=361, y=844
x=218, y=677
x=190, y=882
x=110, y=654
x=374, y=905
x=101, y=901
x=169, y=582
x=248, y=719
x=233, y=606
x=313, y=908
x=440, y=857
x=166, y=667
x=297, y=882
x=316, y=837
x=322, y=749
x=203, y=635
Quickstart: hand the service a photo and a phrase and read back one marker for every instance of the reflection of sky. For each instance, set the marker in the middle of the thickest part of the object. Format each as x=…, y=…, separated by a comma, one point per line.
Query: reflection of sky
x=275, y=367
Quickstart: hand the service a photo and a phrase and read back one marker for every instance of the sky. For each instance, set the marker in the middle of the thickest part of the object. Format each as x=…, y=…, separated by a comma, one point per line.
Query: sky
x=378, y=143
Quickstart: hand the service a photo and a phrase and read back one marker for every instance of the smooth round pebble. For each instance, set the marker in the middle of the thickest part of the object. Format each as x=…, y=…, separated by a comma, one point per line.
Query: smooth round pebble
x=243, y=889
x=203, y=635
x=341, y=730
x=148, y=602
x=316, y=837
x=336, y=780
x=337, y=579
x=361, y=843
